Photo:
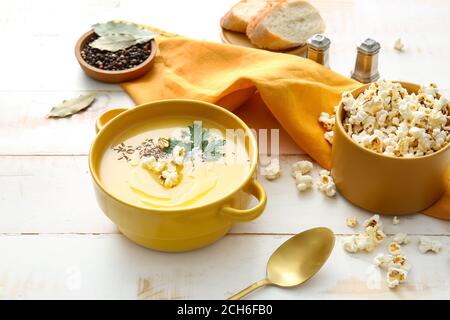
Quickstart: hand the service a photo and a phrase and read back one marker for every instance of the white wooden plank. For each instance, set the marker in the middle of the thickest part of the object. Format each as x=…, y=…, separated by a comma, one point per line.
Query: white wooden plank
x=25, y=129
x=54, y=195
x=49, y=194
x=111, y=267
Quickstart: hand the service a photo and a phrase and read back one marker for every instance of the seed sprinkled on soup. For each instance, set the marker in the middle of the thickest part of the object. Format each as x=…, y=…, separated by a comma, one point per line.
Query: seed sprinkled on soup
x=174, y=163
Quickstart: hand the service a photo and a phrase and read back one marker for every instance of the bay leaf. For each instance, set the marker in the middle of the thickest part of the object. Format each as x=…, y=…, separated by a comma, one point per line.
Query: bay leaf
x=118, y=27
x=72, y=106
x=114, y=36
x=115, y=42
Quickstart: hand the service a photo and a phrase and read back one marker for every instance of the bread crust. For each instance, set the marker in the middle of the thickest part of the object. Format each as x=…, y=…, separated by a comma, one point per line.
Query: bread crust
x=233, y=22
x=260, y=36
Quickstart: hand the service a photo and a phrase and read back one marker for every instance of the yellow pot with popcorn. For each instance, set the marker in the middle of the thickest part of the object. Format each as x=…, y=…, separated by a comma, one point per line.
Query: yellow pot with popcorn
x=390, y=149
x=175, y=175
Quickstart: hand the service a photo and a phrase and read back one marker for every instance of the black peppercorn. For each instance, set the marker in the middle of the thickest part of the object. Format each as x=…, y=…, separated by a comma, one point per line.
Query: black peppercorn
x=115, y=61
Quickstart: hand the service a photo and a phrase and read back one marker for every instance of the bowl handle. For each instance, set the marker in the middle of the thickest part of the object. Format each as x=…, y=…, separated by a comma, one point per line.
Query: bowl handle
x=107, y=116
x=255, y=189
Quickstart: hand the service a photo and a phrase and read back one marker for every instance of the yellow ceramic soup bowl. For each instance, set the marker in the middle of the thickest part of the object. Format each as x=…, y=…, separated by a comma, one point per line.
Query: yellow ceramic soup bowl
x=386, y=184
x=175, y=229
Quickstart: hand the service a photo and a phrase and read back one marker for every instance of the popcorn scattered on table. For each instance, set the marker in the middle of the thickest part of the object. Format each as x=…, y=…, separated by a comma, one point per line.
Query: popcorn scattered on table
x=394, y=248
x=303, y=182
x=350, y=244
x=386, y=261
x=395, y=220
x=373, y=221
x=327, y=121
x=368, y=240
x=399, y=261
x=401, y=238
x=398, y=45
x=302, y=166
x=375, y=235
x=326, y=183
x=272, y=171
x=361, y=242
x=426, y=244
x=299, y=170
x=395, y=263
x=386, y=119
x=351, y=222
x=395, y=276
x=383, y=260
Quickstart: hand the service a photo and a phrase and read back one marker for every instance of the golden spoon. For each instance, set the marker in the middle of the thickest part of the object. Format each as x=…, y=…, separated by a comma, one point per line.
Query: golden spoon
x=296, y=260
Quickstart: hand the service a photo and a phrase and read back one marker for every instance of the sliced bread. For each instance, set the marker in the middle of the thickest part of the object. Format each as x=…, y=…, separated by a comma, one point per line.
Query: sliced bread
x=286, y=24
x=237, y=18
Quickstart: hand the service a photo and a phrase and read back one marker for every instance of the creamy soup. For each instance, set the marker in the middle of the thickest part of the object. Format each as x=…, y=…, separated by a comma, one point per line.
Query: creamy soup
x=174, y=163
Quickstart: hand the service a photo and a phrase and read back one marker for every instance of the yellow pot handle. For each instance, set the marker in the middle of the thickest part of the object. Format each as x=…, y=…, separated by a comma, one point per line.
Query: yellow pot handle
x=257, y=190
x=107, y=116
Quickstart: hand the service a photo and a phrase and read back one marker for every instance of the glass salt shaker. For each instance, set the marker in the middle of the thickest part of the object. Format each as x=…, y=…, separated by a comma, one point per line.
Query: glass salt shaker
x=366, y=65
x=318, y=46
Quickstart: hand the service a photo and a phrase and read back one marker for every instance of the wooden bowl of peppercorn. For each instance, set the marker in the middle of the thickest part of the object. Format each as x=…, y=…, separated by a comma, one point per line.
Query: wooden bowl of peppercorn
x=114, y=67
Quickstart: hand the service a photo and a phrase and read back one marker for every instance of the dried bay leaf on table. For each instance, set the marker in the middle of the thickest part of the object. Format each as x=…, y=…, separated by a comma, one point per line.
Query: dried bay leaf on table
x=72, y=106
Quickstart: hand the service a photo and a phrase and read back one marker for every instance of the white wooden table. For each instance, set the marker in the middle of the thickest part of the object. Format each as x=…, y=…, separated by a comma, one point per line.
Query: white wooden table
x=56, y=243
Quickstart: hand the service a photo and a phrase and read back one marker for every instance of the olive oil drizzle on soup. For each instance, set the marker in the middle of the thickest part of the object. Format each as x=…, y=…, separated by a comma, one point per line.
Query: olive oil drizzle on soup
x=214, y=165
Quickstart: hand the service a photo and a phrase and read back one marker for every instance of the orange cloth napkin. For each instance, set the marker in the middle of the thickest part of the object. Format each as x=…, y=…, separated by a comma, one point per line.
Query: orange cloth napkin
x=295, y=90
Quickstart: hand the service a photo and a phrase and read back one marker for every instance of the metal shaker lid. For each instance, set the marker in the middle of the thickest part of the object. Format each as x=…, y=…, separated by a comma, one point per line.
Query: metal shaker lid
x=369, y=47
x=319, y=42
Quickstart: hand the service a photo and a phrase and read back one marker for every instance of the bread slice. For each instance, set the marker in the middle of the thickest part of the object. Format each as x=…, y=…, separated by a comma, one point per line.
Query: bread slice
x=286, y=24
x=237, y=18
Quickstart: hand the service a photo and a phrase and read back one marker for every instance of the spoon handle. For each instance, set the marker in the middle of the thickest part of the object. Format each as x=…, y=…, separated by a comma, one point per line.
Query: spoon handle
x=246, y=291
